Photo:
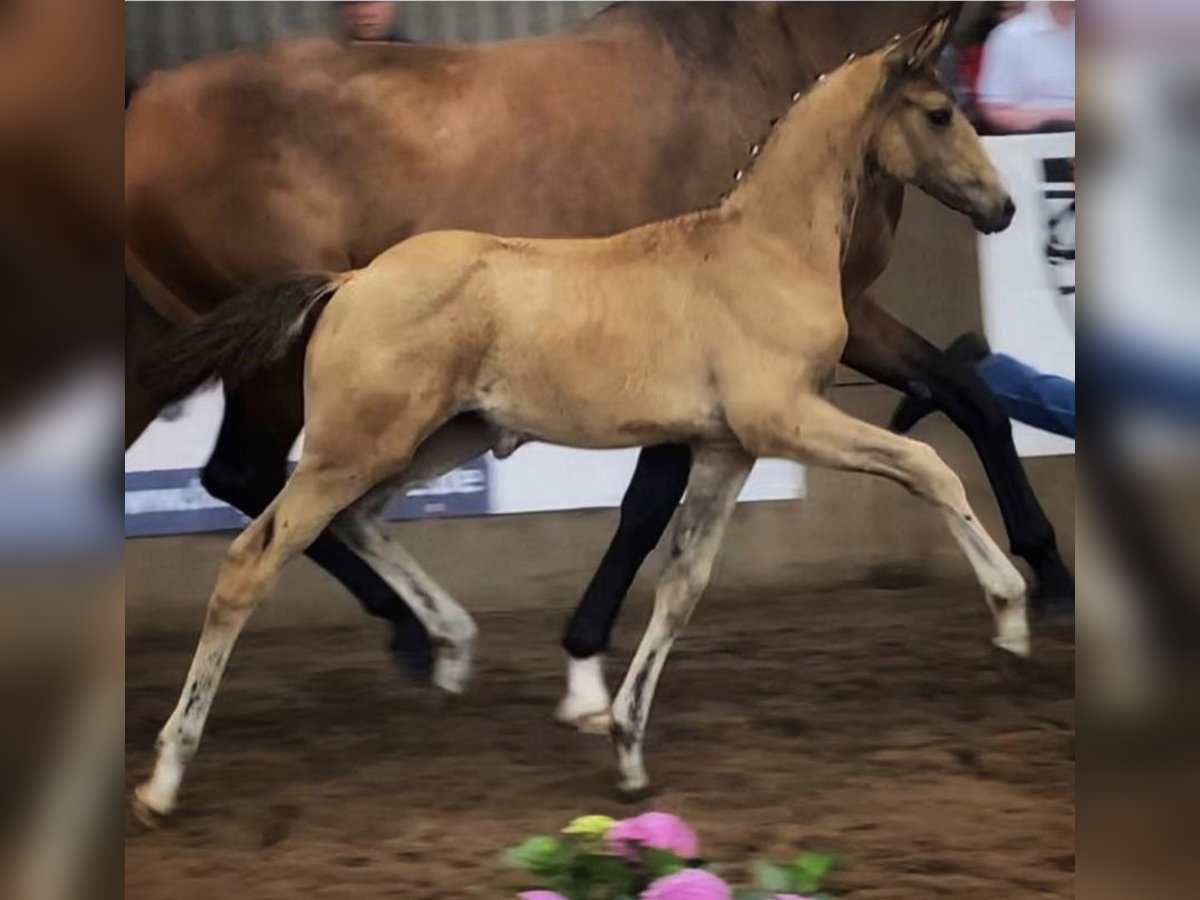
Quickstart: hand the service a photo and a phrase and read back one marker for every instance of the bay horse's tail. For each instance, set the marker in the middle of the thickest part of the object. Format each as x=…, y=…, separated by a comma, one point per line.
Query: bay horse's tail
x=245, y=334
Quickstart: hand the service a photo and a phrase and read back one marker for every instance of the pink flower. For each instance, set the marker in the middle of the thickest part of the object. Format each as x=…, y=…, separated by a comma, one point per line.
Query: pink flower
x=540, y=895
x=657, y=830
x=690, y=884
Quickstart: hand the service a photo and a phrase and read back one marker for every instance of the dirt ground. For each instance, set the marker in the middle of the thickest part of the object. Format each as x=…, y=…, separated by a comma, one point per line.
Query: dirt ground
x=875, y=723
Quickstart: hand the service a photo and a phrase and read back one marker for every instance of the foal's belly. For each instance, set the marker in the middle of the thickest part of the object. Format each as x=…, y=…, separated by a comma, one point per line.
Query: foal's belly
x=597, y=411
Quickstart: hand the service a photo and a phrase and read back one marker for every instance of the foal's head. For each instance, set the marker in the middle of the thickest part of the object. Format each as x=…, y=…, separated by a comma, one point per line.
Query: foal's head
x=924, y=140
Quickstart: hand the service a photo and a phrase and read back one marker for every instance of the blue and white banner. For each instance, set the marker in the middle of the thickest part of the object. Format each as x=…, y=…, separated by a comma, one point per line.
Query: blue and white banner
x=173, y=501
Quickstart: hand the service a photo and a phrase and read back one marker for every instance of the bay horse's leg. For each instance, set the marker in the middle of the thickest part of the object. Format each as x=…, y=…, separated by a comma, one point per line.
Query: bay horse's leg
x=248, y=467
x=717, y=477
x=312, y=497
x=888, y=351
x=654, y=492
x=823, y=435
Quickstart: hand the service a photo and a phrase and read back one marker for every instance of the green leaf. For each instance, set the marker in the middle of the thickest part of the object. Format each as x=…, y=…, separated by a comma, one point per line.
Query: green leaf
x=537, y=854
x=598, y=876
x=662, y=862
x=811, y=868
x=773, y=877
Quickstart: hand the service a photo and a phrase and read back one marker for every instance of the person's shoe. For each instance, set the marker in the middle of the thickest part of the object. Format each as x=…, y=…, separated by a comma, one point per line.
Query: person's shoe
x=967, y=349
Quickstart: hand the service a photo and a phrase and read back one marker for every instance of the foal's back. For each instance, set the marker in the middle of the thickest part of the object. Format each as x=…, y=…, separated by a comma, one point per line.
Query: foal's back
x=602, y=342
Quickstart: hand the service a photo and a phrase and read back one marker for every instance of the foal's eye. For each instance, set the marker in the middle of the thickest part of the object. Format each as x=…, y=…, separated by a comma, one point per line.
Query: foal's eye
x=940, y=118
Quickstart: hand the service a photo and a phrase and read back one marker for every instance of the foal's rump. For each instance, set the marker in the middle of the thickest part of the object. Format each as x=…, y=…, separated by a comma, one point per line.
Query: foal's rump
x=255, y=328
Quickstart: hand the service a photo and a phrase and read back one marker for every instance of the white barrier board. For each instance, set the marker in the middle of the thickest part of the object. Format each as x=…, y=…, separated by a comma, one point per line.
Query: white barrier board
x=1027, y=286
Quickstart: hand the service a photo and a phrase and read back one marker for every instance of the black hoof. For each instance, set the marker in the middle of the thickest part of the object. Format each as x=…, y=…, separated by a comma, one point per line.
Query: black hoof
x=1055, y=613
x=1053, y=605
x=412, y=653
x=1053, y=599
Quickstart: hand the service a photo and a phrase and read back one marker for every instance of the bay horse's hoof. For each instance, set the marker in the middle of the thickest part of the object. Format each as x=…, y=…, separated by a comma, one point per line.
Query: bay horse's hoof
x=586, y=704
x=1054, y=612
x=1052, y=601
x=145, y=811
x=412, y=654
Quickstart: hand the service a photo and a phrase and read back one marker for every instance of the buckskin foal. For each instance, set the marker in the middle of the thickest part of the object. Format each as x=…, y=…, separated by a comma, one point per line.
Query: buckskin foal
x=716, y=329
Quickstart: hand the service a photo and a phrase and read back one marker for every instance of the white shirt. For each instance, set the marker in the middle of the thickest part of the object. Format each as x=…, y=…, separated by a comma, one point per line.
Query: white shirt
x=1029, y=61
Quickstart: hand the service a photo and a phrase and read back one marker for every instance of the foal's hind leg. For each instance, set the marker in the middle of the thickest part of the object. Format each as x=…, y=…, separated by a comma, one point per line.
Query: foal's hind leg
x=717, y=477
x=450, y=626
x=309, y=501
x=452, y=629
x=248, y=468
x=824, y=435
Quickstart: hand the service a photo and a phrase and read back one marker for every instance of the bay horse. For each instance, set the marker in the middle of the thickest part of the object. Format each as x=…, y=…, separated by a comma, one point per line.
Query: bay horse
x=716, y=329
x=318, y=155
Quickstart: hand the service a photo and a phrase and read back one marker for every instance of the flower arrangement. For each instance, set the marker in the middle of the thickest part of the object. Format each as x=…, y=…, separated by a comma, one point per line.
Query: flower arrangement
x=653, y=856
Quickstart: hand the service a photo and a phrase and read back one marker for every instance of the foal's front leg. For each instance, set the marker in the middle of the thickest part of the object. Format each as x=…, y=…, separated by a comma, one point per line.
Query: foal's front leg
x=890, y=352
x=819, y=433
x=717, y=477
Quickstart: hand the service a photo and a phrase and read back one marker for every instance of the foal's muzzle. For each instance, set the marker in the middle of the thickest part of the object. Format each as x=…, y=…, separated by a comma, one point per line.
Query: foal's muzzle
x=998, y=218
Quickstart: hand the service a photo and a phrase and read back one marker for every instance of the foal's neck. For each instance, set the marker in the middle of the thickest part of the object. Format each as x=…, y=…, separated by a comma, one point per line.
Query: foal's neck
x=804, y=188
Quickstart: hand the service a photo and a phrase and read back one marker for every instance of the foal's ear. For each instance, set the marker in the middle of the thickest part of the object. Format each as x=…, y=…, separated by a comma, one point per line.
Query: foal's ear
x=919, y=49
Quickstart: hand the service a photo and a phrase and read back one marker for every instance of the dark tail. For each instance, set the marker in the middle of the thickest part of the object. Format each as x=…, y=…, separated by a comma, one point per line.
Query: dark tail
x=244, y=334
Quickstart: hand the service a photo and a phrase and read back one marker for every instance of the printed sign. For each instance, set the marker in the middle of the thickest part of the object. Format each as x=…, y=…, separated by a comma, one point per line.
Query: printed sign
x=1028, y=271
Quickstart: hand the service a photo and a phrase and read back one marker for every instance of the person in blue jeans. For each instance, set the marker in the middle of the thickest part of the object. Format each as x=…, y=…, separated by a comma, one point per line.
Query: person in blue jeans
x=1026, y=395
x=1124, y=376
